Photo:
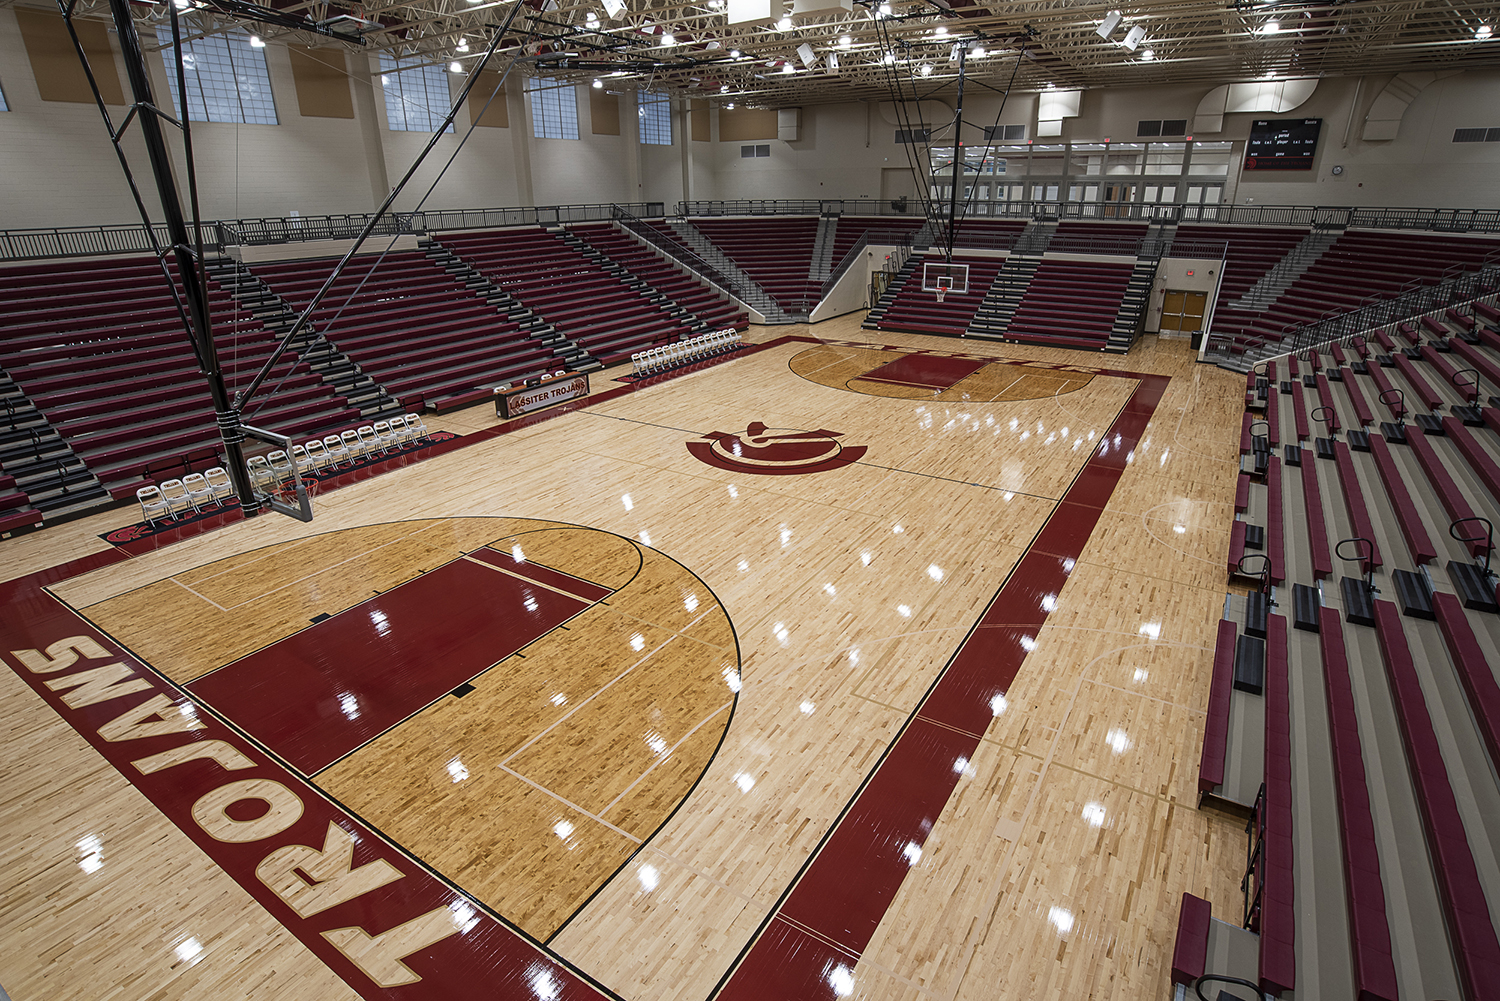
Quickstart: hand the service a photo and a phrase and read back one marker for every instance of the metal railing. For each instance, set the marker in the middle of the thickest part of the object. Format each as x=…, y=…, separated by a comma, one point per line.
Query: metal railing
x=1409, y=305
x=909, y=208
x=902, y=241
x=687, y=257
x=91, y=241
x=78, y=241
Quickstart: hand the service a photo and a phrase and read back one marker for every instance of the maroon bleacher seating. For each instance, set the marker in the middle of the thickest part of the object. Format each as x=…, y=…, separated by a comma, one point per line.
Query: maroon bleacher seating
x=1216, y=726
x=777, y=253
x=1190, y=949
x=1071, y=303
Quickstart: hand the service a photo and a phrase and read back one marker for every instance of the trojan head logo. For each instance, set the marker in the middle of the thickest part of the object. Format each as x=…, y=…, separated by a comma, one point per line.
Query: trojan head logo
x=776, y=451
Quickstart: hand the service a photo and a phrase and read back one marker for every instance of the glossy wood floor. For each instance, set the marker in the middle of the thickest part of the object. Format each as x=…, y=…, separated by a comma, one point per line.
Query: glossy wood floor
x=829, y=604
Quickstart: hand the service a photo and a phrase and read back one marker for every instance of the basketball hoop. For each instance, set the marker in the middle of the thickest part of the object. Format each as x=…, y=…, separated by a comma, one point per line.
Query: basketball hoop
x=941, y=291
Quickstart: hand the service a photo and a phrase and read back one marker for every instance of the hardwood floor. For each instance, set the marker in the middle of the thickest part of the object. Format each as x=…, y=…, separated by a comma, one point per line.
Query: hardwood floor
x=752, y=648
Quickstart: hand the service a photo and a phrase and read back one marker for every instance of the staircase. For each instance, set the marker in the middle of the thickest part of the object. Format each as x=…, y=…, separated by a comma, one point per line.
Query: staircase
x=750, y=292
x=574, y=357
x=1035, y=238
x=822, y=257
x=872, y=318
x=335, y=368
x=665, y=304
x=56, y=483
x=1304, y=255
x=1003, y=296
x=1132, y=307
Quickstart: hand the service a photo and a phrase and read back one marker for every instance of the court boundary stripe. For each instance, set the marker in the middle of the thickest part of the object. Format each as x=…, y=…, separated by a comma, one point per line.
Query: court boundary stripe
x=86, y=564
x=1146, y=384
x=42, y=579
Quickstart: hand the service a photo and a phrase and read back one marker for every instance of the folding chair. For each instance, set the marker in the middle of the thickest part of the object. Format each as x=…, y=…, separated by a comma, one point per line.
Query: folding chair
x=317, y=454
x=219, y=481
x=333, y=446
x=387, y=435
x=153, y=505
x=261, y=476
x=198, y=491
x=370, y=440
x=353, y=445
x=416, y=426
x=281, y=466
x=176, y=497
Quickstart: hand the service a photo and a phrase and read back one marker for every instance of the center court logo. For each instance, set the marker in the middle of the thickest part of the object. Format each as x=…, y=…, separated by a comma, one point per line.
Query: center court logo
x=776, y=451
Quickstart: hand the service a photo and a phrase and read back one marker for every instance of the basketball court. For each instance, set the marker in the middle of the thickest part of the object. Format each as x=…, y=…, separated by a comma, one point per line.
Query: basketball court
x=843, y=668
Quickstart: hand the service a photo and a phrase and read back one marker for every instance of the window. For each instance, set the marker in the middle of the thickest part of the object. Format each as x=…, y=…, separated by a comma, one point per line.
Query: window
x=1169, y=127
x=746, y=152
x=226, y=78
x=416, y=96
x=1476, y=135
x=993, y=133
x=655, y=112
x=554, y=109
x=905, y=136
x=3, y=105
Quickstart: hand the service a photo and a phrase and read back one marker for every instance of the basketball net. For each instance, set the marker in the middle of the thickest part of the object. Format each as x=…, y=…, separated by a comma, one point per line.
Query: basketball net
x=941, y=292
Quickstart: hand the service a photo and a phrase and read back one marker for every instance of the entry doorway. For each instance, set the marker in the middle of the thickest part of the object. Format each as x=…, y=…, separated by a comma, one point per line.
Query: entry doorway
x=1182, y=312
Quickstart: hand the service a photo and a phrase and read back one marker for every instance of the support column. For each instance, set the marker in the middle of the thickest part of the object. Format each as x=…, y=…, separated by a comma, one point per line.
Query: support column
x=520, y=137
x=630, y=131
x=684, y=133
x=368, y=110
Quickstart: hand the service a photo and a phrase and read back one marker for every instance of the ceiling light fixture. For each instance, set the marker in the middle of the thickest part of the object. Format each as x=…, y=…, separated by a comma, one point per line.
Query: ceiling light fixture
x=926, y=69
x=845, y=41
x=1483, y=31
x=1148, y=54
x=730, y=105
x=463, y=44
x=941, y=31
x=455, y=67
x=977, y=52
x=884, y=10
x=598, y=84
x=668, y=39
x=734, y=53
x=256, y=42
x=1270, y=28
x=785, y=24
x=788, y=68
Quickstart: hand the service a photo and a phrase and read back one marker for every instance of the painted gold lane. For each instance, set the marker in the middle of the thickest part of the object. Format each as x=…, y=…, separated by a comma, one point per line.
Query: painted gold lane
x=531, y=790
x=192, y=623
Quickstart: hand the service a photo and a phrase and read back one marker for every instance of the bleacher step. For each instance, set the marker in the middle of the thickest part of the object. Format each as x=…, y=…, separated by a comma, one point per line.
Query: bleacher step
x=1475, y=590
x=1359, y=604
x=1413, y=594
x=1306, y=607
x=1250, y=665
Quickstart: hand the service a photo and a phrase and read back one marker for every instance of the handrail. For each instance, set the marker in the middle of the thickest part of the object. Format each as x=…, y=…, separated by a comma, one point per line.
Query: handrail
x=879, y=238
x=95, y=241
x=687, y=257
x=1423, y=301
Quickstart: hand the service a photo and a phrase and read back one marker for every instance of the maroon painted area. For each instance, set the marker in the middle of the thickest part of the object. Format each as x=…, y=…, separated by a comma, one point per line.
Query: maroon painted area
x=587, y=590
x=846, y=887
x=775, y=451
x=925, y=371
x=320, y=693
x=485, y=951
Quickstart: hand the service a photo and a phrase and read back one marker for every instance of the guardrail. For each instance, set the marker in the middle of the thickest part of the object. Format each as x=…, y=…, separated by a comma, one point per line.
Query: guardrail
x=1407, y=306
x=92, y=241
x=687, y=257
x=907, y=208
x=80, y=241
x=881, y=238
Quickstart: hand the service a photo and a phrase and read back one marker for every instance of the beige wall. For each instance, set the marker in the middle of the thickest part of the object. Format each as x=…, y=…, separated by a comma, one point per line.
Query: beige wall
x=60, y=169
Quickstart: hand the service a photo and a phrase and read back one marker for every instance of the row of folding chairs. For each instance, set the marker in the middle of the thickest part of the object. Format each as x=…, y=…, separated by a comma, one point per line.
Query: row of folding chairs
x=332, y=451
x=190, y=494
x=667, y=356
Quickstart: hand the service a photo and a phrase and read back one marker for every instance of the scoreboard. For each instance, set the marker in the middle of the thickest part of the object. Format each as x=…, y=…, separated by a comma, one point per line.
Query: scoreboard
x=1282, y=143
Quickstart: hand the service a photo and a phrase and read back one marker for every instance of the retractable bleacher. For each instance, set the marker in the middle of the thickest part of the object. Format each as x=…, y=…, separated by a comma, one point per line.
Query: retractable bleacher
x=777, y=253
x=918, y=311
x=1393, y=746
x=711, y=311
x=99, y=347
x=410, y=326
x=586, y=303
x=1071, y=303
